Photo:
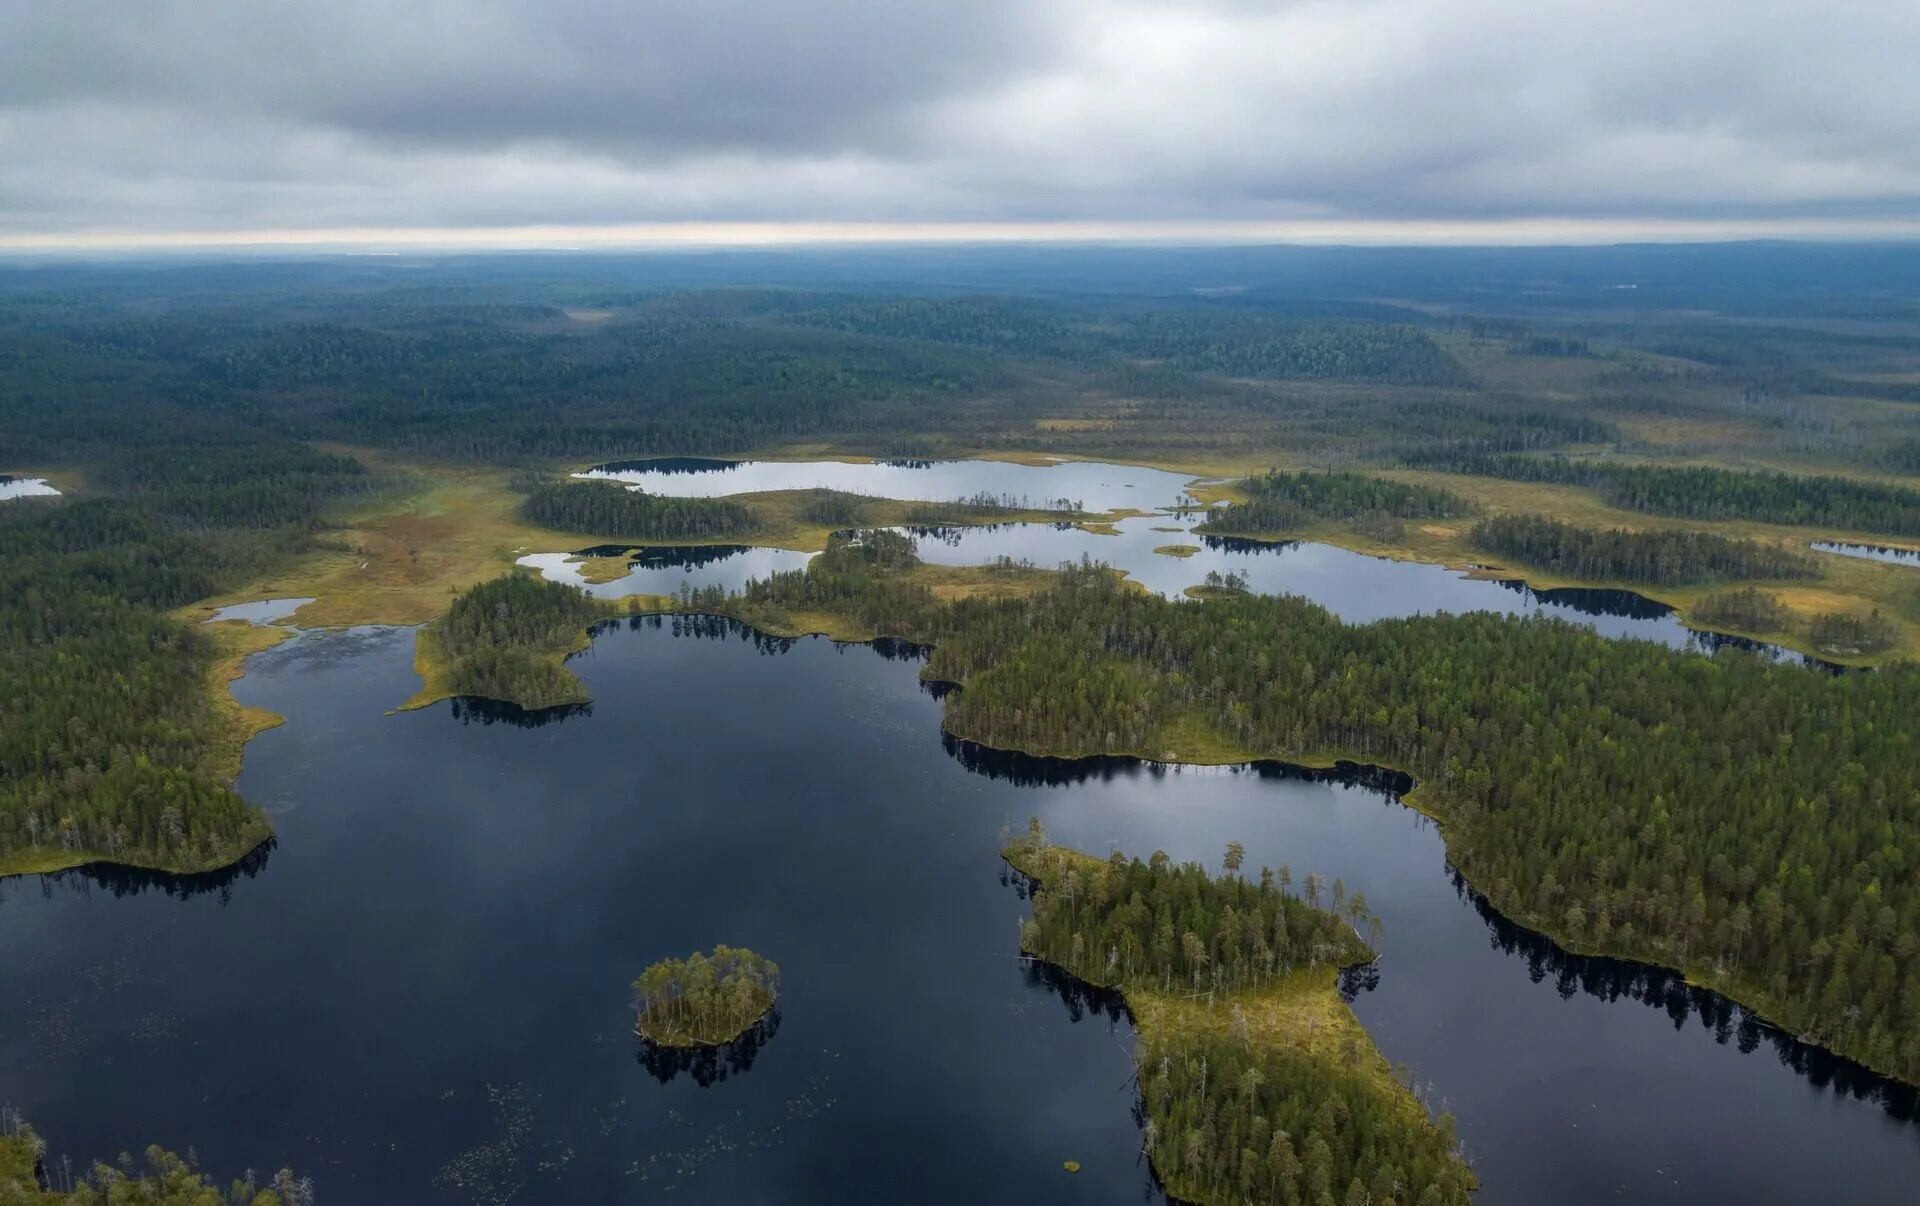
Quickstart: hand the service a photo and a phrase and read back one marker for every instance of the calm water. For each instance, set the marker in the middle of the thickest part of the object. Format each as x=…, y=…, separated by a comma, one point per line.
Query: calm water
x=663, y=569
x=1354, y=586
x=1085, y=484
x=1870, y=552
x=421, y=993
x=260, y=611
x=23, y=487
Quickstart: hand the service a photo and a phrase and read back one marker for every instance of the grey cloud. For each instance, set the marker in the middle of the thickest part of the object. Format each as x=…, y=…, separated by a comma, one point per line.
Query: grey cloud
x=223, y=114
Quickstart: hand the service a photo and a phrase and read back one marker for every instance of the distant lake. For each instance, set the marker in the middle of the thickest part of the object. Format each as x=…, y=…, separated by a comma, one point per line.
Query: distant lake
x=420, y=993
x=1870, y=552
x=1084, y=485
x=24, y=487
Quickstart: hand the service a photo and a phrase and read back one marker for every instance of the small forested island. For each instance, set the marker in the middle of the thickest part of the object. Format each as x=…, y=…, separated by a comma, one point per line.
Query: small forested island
x=705, y=1000
x=1256, y=1081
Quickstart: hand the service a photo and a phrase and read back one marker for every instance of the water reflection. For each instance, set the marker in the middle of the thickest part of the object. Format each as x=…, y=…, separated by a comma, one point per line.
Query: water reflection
x=1891, y=554
x=121, y=881
x=475, y=709
x=709, y=1065
x=1085, y=485
x=1611, y=979
x=1034, y=770
x=24, y=487
x=1606, y=978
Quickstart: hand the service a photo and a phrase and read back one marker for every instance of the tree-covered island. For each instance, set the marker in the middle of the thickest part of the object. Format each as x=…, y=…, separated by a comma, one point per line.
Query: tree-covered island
x=705, y=1000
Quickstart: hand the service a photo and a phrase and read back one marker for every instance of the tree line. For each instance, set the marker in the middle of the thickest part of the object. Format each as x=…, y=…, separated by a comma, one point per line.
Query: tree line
x=1753, y=824
x=1279, y=501
x=1701, y=492
x=609, y=509
x=1663, y=557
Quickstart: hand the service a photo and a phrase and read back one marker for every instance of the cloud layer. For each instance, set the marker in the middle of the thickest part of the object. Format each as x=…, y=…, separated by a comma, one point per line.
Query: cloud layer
x=238, y=115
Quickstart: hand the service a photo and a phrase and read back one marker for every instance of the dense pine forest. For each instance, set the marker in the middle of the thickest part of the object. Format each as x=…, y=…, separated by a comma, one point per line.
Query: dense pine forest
x=1588, y=786
x=111, y=746
x=1239, y=1115
x=1660, y=557
x=1282, y=502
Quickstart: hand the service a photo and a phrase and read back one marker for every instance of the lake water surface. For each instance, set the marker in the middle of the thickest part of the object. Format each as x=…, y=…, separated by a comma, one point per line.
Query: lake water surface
x=1870, y=552
x=420, y=993
x=24, y=487
x=1356, y=587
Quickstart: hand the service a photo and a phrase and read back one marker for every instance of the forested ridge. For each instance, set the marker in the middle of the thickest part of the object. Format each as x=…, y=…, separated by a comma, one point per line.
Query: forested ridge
x=1279, y=501
x=1243, y=1114
x=1756, y=825
x=1701, y=492
x=1668, y=557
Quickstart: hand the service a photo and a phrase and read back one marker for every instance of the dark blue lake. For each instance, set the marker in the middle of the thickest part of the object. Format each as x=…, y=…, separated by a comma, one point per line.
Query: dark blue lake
x=421, y=993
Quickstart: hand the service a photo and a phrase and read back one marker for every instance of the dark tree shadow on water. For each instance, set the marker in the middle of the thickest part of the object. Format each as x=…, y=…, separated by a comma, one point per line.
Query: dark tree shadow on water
x=117, y=880
x=709, y=1065
x=1729, y=1023
x=473, y=709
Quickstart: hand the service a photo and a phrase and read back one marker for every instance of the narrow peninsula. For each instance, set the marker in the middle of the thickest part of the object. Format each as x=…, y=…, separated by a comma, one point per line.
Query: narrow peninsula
x=1257, y=1082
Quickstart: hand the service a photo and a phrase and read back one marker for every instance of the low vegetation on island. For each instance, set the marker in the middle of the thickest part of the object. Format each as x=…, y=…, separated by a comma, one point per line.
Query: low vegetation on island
x=1582, y=781
x=705, y=999
x=1256, y=1082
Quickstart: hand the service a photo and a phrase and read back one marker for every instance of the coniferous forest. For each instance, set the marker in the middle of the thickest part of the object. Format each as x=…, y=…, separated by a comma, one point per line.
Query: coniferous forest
x=1582, y=780
x=1241, y=1109
x=616, y=512
x=504, y=640
x=1281, y=502
x=704, y=999
x=1662, y=558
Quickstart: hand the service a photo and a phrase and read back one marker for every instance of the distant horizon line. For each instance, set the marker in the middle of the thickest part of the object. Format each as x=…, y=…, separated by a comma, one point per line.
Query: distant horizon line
x=711, y=235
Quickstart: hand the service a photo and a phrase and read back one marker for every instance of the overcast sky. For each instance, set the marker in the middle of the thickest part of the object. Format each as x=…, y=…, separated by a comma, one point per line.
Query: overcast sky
x=254, y=118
